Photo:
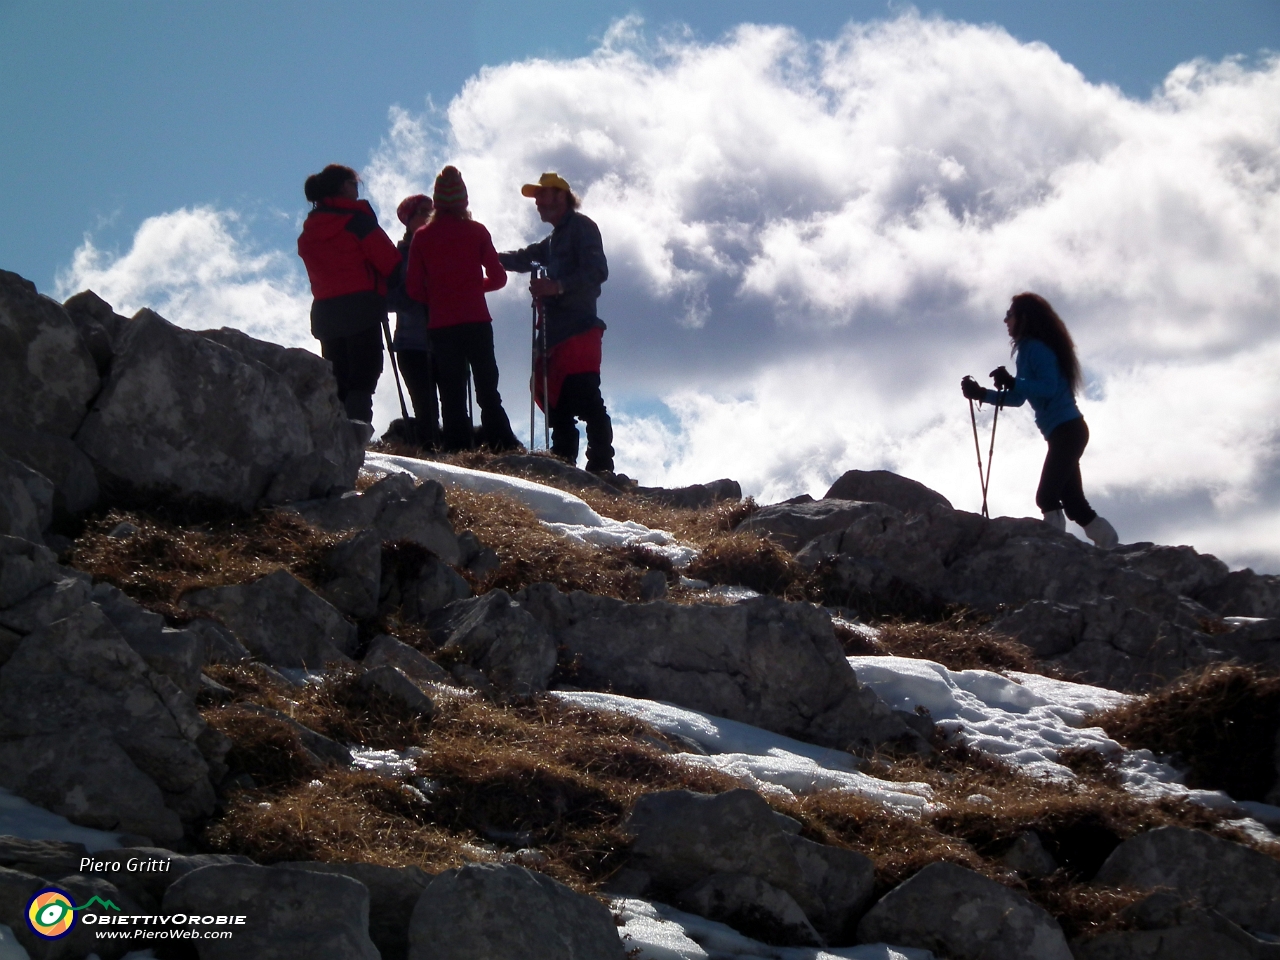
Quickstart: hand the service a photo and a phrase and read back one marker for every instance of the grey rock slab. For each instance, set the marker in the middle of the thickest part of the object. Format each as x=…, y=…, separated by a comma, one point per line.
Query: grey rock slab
x=290, y=913
x=416, y=583
x=1244, y=593
x=75, y=488
x=47, y=375
x=1047, y=629
x=339, y=451
x=793, y=525
x=752, y=907
x=385, y=650
x=99, y=325
x=85, y=776
x=1182, y=569
x=279, y=619
x=321, y=748
x=220, y=644
x=1241, y=884
x=960, y=914
x=843, y=882
x=356, y=568
x=498, y=636
x=184, y=414
x=502, y=912
x=26, y=500
x=682, y=837
x=51, y=602
x=696, y=496
x=79, y=674
x=765, y=662
x=397, y=509
x=392, y=682
x=49, y=859
x=25, y=566
x=393, y=893
x=882, y=486
x=178, y=654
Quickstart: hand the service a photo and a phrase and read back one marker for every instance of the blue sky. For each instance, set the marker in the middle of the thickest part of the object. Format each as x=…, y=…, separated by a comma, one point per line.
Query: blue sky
x=114, y=111
x=814, y=213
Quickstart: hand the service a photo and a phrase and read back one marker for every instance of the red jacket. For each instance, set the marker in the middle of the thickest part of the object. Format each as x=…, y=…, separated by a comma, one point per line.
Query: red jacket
x=345, y=250
x=452, y=265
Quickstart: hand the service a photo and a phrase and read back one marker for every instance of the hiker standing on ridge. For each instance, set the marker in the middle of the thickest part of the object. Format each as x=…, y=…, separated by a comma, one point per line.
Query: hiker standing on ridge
x=452, y=265
x=411, y=344
x=573, y=257
x=348, y=259
x=1048, y=376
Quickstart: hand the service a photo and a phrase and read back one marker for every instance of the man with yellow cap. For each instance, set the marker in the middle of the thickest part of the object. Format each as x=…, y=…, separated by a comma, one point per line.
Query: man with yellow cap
x=573, y=257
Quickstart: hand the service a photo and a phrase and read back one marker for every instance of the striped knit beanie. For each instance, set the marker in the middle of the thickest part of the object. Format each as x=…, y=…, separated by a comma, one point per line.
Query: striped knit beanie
x=450, y=192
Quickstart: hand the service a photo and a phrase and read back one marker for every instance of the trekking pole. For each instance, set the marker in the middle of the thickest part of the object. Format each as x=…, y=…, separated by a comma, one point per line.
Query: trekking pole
x=991, y=452
x=982, y=482
x=386, y=332
x=533, y=366
x=546, y=391
x=471, y=414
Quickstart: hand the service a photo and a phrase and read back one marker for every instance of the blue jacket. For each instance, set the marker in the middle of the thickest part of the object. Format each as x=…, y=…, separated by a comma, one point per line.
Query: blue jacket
x=1040, y=382
x=574, y=255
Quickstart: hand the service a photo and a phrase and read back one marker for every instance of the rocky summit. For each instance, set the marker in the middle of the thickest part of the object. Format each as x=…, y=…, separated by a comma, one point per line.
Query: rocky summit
x=399, y=713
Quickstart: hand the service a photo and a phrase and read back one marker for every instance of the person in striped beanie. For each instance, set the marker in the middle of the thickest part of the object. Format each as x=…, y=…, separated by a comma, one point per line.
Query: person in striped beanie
x=452, y=264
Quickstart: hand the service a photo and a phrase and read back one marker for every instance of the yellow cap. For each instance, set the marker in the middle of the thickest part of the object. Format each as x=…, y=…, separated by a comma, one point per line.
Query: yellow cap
x=546, y=180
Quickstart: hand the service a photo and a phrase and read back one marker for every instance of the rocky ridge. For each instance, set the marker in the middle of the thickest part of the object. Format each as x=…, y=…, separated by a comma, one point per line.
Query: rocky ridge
x=101, y=699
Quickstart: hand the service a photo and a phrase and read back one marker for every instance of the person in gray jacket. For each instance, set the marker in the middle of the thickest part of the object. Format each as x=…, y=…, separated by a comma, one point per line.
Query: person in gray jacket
x=573, y=257
x=411, y=344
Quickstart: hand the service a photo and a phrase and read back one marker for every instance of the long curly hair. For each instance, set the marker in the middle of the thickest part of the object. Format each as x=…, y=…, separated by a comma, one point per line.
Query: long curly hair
x=1035, y=319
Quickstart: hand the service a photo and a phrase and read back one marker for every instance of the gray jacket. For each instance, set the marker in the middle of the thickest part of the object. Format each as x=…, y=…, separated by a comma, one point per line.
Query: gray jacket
x=574, y=256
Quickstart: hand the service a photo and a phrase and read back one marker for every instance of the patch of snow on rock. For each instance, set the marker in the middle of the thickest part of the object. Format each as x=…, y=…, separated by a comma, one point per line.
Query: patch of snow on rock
x=558, y=511
x=665, y=933
x=18, y=818
x=772, y=764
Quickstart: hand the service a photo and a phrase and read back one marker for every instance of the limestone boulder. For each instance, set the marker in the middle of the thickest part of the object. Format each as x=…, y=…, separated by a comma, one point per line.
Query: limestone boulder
x=1241, y=884
x=388, y=651
x=416, y=583
x=47, y=375
x=882, y=486
x=99, y=325
x=25, y=566
x=177, y=654
x=72, y=689
x=58, y=460
x=289, y=913
x=502, y=912
x=26, y=500
x=792, y=525
x=396, y=508
x=280, y=620
x=765, y=662
x=337, y=447
x=498, y=636
x=393, y=683
x=181, y=413
x=960, y=914
x=1243, y=593
x=355, y=567
x=69, y=592
x=393, y=893
x=752, y=907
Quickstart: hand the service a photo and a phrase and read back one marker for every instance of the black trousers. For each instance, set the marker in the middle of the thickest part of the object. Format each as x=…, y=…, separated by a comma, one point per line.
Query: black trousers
x=1060, y=485
x=357, y=365
x=580, y=399
x=417, y=367
x=457, y=349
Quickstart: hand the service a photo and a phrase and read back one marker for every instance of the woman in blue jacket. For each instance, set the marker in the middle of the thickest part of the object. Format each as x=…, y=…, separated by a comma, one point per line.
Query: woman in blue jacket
x=1048, y=376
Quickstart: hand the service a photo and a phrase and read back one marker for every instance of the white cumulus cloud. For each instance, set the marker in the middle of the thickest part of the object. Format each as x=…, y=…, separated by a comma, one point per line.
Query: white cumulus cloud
x=811, y=241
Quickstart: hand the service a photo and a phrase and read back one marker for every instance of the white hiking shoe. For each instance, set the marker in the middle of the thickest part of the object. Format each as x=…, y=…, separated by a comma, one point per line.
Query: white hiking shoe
x=1056, y=519
x=1102, y=533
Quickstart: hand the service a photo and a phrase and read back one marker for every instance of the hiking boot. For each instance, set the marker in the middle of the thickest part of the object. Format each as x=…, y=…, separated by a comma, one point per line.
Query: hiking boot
x=1102, y=533
x=1056, y=519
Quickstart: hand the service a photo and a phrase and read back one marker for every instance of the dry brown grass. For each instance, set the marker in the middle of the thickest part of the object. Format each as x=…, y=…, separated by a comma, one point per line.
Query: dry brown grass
x=750, y=560
x=958, y=644
x=1220, y=722
x=164, y=559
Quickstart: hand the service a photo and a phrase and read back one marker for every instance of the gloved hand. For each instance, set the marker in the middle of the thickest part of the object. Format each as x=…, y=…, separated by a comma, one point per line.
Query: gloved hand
x=972, y=389
x=1003, y=378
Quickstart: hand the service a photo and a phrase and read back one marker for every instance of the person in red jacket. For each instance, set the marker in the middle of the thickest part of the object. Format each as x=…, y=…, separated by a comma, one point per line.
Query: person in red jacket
x=348, y=259
x=452, y=265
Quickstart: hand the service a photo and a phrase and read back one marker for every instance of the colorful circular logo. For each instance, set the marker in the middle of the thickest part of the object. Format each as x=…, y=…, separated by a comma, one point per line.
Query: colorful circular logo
x=51, y=913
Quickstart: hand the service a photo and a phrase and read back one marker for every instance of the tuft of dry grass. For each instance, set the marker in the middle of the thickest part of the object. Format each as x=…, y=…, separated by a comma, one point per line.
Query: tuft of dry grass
x=164, y=559
x=1219, y=721
x=750, y=560
x=958, y=644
